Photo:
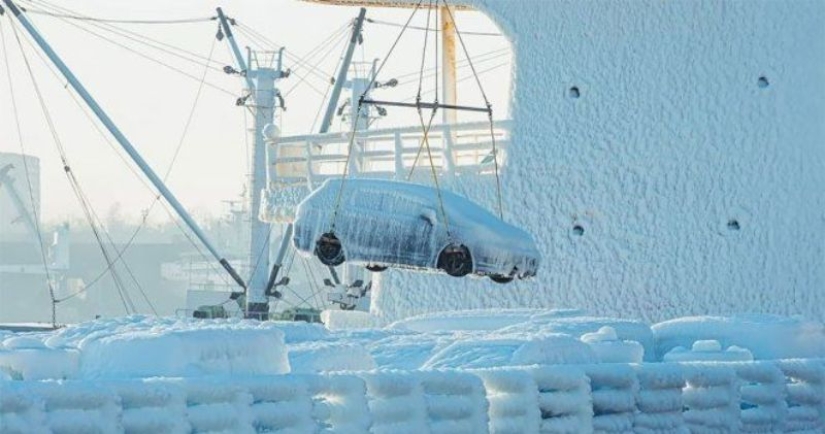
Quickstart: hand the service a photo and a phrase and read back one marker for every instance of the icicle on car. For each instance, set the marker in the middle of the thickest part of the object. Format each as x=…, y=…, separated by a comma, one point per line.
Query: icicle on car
x=384, y=224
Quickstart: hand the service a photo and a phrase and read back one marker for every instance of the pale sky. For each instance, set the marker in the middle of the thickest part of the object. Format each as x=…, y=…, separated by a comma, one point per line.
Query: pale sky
x=151, y=103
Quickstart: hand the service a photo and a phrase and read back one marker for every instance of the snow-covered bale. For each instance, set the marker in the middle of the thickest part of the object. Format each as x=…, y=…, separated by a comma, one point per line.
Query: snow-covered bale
x=339, y=403
x=514, y=401
x=551, y=349
x=279, y=403
x=396, y=402
x=614, y=388
x=659, y=401
x=766, y=336
x=564, y=399
x=311, y=357
x=184, y=349
x=150, y=407
x=21, y=411
x=762, y=397
x=406, y=352
x=610, y=349
x=708, y=351
x=456, y=402
x=805, y=394
x=711, y=397
x=39, y=363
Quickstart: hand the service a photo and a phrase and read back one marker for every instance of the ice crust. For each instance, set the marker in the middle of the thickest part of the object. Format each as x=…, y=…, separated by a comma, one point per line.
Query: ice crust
x=698, y=191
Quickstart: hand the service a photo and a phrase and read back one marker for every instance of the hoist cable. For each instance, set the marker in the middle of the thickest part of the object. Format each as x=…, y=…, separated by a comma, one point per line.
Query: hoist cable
x=358, y=114
x=41, y=246
x=170, y=49
x=389, y=23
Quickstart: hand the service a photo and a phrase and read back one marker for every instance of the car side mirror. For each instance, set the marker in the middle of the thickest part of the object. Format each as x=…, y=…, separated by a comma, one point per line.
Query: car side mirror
x=329, y=283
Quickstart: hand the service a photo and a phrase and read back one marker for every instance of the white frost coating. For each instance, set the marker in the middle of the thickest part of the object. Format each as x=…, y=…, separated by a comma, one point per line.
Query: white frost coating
x=311, y=357
x=765, y=336
x=670, y=140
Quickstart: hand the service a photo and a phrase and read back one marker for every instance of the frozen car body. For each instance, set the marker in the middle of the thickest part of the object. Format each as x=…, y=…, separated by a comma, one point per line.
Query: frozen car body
x=395, y=224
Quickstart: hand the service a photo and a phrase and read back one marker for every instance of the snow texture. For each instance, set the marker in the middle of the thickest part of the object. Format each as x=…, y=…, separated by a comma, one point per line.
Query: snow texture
x=692, y=161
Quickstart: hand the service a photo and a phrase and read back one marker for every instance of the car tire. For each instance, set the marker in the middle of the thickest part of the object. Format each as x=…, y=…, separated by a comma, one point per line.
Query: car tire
x=499, y=278
x=329, y=250
x=455, y=260
x=376, y=268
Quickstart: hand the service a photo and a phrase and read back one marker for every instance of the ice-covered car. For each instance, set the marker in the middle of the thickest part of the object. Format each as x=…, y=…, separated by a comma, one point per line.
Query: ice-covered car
x=384, y=224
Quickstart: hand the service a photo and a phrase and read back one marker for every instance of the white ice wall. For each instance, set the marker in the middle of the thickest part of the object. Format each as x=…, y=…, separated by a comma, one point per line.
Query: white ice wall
x=672, y=138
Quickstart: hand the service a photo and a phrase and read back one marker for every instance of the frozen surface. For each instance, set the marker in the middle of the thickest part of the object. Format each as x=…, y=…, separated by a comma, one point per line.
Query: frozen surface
x=313, y=357
x=698, y=191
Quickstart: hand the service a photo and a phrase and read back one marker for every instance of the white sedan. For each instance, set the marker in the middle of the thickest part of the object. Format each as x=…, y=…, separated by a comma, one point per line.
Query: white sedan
x=384, y=224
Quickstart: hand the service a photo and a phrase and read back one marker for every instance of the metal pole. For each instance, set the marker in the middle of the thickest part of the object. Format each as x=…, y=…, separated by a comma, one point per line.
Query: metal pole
x=235, y=50
x=342, y=73
x=122, y=140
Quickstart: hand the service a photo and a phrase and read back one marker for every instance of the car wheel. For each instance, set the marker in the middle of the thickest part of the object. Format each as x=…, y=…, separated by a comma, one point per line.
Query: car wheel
x=376, y=268
x=456, y=260
x=329, y=250
x=499, y=278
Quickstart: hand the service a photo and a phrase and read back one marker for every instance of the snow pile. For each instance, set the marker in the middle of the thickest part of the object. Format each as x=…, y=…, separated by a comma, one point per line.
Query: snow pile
x=609, y=349
x=339, y=403
x=708, y=351
x=312, y=357
x=481, y=319
x=502, y=351
x=766, y=336
x=578, y=326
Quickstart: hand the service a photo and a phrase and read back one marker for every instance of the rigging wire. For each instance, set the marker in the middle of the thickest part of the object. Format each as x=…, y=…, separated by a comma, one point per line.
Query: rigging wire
x=89, y=213
x=108, y=141
x=489, y=108
x=156, y=200
x=182, y=53
x=147, y=56
x=40, y=244
x=124, y=21
x=358, y=113
x=427, y=28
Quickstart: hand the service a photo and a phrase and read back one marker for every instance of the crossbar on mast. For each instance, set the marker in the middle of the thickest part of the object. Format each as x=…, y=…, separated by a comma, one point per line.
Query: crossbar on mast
x=429, y=105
